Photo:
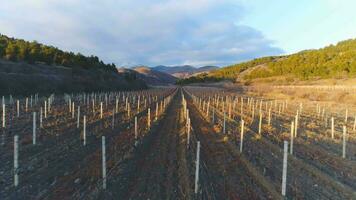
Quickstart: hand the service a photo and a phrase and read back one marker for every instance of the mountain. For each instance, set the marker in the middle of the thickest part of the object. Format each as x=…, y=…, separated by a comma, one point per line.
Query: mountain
x=333, y=61
x=150, y=76
x=183, y=71
x=32, y=67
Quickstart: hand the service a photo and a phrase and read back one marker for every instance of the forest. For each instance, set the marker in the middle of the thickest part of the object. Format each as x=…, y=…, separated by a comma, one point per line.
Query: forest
x=33, y=52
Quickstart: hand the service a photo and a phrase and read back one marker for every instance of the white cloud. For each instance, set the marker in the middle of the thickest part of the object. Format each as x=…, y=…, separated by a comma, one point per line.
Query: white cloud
x=139, y=32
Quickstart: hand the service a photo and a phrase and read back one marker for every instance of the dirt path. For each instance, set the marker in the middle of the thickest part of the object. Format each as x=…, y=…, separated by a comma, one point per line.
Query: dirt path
x=158, y=169
x=231, y=176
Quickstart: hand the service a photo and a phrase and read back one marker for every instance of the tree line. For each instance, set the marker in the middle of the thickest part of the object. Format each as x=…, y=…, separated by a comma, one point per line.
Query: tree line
x=333, y=61
x=33, y=52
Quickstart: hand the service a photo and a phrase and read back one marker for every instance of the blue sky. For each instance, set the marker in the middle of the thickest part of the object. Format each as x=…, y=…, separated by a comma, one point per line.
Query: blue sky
x=195, y=32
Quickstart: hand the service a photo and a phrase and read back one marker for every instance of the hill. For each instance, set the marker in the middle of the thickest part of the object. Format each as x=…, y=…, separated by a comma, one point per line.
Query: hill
x=150, y=76
x=183, y=71
x=31, y=67
x=24, y=78
x=333, y=61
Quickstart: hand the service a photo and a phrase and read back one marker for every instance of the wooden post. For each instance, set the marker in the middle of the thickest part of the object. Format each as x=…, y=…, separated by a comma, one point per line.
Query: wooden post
x=332, y=127
x=242, y=134
x=84, y=130
x=284, y=173
x=93, y=105
x=3, y=115
x=78, y=117
x=197, y=168
x=117, y=105
x=26, y=104
x=16, y=160
x=70, y=105
x=45, y=109
x=346, y=116
x=260, y=124
x=138, y=105
x=344, y=142
x=188, y=132
x=354, y=128
x=291, y=137
x=18, y=108
x=101, y=110
x=136, y=131
x=34, y=129
x=103, y=156
x=156, y=118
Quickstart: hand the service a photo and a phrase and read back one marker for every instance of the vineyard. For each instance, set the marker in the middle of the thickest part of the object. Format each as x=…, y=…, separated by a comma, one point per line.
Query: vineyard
x=175, y=143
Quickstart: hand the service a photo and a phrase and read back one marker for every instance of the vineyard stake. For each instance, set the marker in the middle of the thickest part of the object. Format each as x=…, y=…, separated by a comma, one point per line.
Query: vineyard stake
x=117, y=105
x=103, y=156
x=242, y=135
x=45, y=109
x=284, y=173
x=344, y=142
x=138, y=105
x=70, y=105
x=354, y=128
x=16, y=160
x=101, y=110
x=291, y=137
x=332, y=127
x=3, y=114
x=18, y=108
x=197, y=168
x=136, y=131
x=346, y=116
x=156, y=117
x=34, y=129
x=84, y=130
x=78, y=117
x=26, y=104
x=260, y=123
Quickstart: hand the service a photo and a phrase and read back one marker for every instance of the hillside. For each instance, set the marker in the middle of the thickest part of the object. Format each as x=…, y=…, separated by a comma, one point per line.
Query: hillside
x=150, y=76
x=184, y=71
x=333, y=61
x=31, y=67
x=33, y=52
x=24, y=78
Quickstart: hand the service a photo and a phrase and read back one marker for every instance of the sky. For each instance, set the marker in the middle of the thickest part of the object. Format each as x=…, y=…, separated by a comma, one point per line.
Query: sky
x=180, y=32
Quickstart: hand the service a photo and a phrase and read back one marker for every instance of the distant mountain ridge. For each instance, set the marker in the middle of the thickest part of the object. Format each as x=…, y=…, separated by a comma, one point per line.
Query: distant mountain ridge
x=149, y=75
x=183, y=71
